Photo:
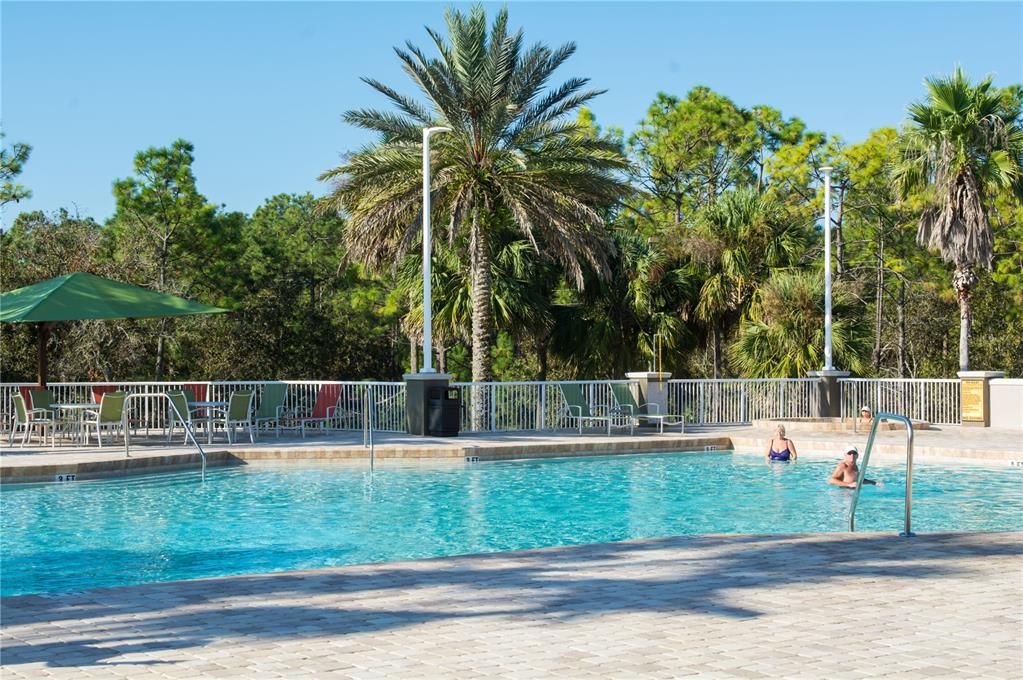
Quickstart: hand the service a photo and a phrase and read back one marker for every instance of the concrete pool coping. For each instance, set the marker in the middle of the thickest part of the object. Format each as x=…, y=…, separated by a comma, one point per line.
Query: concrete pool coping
x=714, y=605
x=952, y=445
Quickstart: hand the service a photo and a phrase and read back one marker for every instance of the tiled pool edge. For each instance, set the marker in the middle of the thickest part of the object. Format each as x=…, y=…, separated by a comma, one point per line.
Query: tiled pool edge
x=143, y=464
x=147, y=463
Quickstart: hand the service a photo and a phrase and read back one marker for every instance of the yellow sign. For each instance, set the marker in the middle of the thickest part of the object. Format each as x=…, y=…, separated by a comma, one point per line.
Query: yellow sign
x=973, y=400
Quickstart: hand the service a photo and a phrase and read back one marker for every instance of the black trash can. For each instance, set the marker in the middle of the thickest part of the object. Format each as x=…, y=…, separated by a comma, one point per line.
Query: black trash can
x=444, y=412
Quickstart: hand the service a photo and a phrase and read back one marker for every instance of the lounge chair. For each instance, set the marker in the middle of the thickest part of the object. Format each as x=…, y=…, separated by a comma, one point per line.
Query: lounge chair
x=28, y=419
x=109, y=415
x=271, y=406
x=577, y=408
x=238, y=414
x=646, y=411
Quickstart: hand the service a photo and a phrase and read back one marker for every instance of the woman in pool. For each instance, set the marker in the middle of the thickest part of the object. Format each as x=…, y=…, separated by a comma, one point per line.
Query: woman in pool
x=781, y=447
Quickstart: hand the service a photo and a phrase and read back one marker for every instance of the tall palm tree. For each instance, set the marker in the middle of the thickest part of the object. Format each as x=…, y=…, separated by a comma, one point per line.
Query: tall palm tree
x=737, y=240
x=963, y=145
x=512, y=149
x=784, y=334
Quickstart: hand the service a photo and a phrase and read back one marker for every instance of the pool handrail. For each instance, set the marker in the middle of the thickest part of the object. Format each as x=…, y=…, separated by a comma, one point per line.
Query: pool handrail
x=907, y=532
x=178, y=415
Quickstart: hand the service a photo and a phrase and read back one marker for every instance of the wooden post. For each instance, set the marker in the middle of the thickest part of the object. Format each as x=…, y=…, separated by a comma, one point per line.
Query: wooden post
x=44, y=336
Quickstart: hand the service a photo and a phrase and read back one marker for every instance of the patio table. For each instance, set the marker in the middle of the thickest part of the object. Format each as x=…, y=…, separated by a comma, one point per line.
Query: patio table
x=210, y=406
x=80, y=410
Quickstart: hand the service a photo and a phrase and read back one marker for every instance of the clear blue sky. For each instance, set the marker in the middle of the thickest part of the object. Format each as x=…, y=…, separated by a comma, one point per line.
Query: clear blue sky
x=259, y=87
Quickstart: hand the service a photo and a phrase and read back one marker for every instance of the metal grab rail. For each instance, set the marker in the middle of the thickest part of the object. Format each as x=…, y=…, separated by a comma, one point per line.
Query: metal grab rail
x=909, y=470
x=368, y=424
x=369, y=406
x=177, y=414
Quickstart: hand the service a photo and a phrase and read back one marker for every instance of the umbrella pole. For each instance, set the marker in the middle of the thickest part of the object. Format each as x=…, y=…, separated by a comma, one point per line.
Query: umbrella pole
x=44, y=335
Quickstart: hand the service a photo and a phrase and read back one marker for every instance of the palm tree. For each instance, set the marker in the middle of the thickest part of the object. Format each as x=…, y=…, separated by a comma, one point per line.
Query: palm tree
x=738, y=239
x=520, y=306
x=611, y=327
x=784, y=334
x=512, y=150
x=964, y=144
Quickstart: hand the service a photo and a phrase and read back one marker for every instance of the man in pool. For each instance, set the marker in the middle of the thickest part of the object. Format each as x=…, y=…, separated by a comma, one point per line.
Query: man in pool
x=847, y=471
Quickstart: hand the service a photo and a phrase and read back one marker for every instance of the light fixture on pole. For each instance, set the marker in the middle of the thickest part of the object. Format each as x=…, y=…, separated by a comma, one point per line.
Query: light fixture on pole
x=827, y=269
x=427, y=253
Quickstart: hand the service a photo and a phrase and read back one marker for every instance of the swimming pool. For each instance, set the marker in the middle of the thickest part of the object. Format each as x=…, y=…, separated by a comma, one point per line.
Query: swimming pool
x=87, y=534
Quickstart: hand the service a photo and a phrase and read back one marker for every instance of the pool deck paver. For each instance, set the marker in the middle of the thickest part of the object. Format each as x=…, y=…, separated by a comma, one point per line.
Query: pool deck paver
x=729, y=606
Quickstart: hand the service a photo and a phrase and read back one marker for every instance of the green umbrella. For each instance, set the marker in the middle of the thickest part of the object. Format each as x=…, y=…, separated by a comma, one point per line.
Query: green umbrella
x=78, y=296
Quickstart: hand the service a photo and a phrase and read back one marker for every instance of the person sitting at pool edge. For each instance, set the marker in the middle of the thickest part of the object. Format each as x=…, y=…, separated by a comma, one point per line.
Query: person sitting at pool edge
x=866, y=416
x=781, y=447
x=847, y=471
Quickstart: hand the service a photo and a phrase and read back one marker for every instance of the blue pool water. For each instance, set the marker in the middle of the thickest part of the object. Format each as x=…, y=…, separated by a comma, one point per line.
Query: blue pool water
x=87, y=534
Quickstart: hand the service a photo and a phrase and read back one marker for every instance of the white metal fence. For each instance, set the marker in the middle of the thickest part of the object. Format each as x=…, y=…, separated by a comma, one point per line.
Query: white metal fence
x=739, y=401
x=389, y=414
x=517, y=406
x=522, y=406
x=932, y=400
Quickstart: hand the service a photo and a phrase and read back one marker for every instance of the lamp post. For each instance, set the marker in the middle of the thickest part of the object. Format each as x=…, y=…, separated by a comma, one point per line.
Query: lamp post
x=827, y=269
x=427, y=253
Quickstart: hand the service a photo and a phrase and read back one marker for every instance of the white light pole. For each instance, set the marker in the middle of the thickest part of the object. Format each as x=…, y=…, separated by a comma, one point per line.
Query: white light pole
x=827, y=269
x=427, y=253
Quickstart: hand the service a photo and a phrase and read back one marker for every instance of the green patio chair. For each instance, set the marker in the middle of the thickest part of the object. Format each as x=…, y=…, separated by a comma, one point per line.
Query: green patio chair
x=238, y=414
x=577, y=408
x=180, y=401
x=109, y=415
x=647, y=411
x=42, y=399
x=28, y=419
x=271, y=406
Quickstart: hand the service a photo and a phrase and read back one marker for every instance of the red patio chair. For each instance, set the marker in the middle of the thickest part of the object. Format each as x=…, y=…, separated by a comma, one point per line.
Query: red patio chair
x=324, y=409
x=99, y=390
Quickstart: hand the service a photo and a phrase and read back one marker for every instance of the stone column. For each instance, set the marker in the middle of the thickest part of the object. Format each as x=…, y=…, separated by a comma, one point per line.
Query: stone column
x=650, y=388
x=975, y=397
x=829, y=392
x=417, y=398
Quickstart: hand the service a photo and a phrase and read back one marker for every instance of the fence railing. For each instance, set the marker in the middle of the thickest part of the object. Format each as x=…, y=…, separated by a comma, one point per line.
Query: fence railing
x=517, y=406
x=523, y=406
x=151, y=413
x=741, y=401
x=932, y=400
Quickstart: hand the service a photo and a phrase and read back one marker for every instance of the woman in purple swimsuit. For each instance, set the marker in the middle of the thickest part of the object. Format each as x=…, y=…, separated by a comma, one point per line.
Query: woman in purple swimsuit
x=781, y=447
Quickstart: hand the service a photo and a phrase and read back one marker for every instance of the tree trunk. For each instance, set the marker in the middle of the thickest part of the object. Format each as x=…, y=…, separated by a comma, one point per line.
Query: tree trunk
x=541, y=357
x=413, y=356
x=963, y=281
x=902, y=329
x=716, y=349
x=41, y=355
x=442, y=357
x=760, y=171
x=161, y=351
x=678, y=205
x=482, y=322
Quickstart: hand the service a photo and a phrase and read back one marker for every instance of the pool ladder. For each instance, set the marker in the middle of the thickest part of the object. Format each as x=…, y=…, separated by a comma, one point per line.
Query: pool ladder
x=180, y=417
x=909, y=470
